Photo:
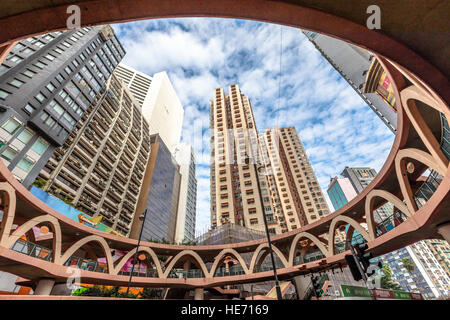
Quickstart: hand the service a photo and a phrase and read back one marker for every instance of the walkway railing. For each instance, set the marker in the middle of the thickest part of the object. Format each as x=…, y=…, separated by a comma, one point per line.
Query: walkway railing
x=390, y=222
x=32, y=250
x=86, y=264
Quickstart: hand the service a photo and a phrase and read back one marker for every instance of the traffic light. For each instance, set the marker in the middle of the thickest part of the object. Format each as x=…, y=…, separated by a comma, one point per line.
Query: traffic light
x=316, y=286
x=364, y=257
x=352, y=264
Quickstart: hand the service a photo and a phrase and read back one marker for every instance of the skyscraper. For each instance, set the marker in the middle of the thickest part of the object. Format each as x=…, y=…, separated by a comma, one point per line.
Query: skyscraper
x=159, y=195
x=290, y=192
x=187, y=203
x=159, y=101
x=235, y=196
x=301, y=200
x=353, y=63
x=47, y=83
x=100, y=167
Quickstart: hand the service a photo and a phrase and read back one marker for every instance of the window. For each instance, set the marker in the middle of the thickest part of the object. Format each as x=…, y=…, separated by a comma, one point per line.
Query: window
x=25, y=164
x=15, y=59
x=57, y=107
x=50, y=87
x=49, y=57
x=3, y=94
x=25, y=136
x=40, y=97
x=29, y=73
x=39, y=64
x=16, y=83
x=40, y=146
x=29, y=108
x=12, y=126
x=50, y=122
x=9, y=154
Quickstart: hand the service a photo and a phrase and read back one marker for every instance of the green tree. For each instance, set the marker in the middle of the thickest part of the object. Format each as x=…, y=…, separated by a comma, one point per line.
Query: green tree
x=408, y=264
x=386, y=279
x=151, y=293
x=39, y=183
x=99, y=291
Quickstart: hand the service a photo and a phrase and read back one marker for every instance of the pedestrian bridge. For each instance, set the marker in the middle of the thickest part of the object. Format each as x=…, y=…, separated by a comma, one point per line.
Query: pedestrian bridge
x=415, y=178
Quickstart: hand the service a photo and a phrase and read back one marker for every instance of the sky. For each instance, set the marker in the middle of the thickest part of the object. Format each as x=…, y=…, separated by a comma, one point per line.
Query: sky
x=287, y=80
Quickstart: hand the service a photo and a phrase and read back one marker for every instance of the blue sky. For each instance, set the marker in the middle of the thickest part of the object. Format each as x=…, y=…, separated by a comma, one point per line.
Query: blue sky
x=199, y=55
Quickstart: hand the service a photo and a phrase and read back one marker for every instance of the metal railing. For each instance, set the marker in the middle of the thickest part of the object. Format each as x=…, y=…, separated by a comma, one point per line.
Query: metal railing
x=86, y=264
x=390, y=222
x=32, y=250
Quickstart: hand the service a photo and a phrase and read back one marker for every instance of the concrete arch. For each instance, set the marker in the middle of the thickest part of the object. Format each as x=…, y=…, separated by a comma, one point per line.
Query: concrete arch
x=263, y=246
x=309, y=236
x=191, y=253
x=400, y=169
x=8, y=213
x=356, y=226
x=369, y=208
x=56, y=229
x=222, y=254
x=408, y=95
x=125, y=258
x=94, y=238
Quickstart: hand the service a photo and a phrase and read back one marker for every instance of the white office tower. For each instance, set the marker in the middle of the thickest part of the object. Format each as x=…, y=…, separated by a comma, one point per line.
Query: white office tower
x=187, y=202
x=159, y=101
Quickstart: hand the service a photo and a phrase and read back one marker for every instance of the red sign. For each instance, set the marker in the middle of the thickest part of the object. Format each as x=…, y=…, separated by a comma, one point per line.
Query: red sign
x=386, y=82
x=383, y=294
x=416, y=296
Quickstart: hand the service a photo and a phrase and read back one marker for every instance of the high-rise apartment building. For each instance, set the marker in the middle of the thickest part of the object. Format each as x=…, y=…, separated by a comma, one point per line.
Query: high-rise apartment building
x=159, y=101
x=100, y=167
x=427, y=276
x=159, y=195
x=235, y=196
x=47, y=83
x=353, y=63
x=298, y=197
x=290, y=193
x=187, y=203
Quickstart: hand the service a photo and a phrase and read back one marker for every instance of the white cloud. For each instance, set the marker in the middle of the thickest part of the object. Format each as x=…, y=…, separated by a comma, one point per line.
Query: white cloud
x=335, y=125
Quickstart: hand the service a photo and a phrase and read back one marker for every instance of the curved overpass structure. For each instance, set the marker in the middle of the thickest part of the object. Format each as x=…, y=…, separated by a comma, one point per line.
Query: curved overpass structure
x=419, y=76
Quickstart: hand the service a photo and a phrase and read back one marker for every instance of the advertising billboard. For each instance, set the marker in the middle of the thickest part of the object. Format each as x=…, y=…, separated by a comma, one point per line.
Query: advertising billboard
x=70, y=212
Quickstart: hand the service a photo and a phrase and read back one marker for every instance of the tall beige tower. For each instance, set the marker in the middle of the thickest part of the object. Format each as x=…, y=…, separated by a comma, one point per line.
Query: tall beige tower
x=295, y=190
x=234, y=191
x=290, y=193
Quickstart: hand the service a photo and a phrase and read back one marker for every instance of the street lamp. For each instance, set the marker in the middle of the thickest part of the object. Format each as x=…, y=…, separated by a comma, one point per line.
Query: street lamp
x=258, y=169
x=141, y=218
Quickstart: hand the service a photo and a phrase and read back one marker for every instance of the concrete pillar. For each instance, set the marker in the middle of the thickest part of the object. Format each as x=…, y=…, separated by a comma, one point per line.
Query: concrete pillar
x=444, y=231
x=44, y=287
x=199, y=294
x=302, y=285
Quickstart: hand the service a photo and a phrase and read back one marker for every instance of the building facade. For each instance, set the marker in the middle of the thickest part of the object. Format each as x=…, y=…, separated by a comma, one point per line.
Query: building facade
x=47, y=83
x=427, y=276
x=159, y=101
x=187, y=203
x=159, y=195
x=100, y=167
x=288, y=188
x=360, y=178
x=353, y=64
x=234, y=191
x=340, y=191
